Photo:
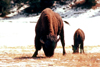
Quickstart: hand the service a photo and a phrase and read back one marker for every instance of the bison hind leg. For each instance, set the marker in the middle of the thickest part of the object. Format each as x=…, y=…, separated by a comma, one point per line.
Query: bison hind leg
x=63, y=41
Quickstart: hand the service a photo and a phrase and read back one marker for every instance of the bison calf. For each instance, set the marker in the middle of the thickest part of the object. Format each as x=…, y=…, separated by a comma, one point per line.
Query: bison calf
x=79, y=37
x=48, y=27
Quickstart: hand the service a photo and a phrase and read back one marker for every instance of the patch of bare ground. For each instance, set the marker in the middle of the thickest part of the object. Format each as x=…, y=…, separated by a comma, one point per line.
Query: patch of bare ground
x=97, y=5
x=21, y=56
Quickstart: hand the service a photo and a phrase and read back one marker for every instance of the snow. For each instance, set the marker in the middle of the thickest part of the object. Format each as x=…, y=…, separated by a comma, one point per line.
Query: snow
x=20, y=30
x=17, y=34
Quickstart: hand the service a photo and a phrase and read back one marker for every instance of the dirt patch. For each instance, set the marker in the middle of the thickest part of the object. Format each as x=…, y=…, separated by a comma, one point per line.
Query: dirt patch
x=97, y=5
x=21, y=56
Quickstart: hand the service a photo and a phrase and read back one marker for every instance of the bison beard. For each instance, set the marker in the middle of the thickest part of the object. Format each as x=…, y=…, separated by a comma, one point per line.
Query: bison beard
x=48, y=27
x=50, y=45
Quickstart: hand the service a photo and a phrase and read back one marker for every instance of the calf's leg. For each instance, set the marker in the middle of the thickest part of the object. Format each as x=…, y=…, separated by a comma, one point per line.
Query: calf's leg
x=82, y=48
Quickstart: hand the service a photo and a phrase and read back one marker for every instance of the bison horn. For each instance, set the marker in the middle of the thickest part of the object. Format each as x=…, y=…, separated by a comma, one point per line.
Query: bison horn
x=41, y=40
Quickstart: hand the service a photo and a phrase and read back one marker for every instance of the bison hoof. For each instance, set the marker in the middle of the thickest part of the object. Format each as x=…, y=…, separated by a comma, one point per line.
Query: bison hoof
x=34, y=56
x=64, y=53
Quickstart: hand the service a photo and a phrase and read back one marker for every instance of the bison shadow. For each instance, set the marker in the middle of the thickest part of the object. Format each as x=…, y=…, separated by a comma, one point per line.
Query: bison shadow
x=39, y=57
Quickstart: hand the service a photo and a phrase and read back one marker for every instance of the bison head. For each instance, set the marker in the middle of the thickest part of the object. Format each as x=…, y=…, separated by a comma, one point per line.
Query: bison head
x=74, y=48
x=49, y=44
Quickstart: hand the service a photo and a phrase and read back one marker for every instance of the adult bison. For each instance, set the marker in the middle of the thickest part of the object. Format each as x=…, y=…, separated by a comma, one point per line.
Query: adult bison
x=49, y=25
x=79, y=37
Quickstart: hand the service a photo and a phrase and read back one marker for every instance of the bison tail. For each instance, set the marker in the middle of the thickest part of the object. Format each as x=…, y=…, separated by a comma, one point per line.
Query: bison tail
x=66, y=22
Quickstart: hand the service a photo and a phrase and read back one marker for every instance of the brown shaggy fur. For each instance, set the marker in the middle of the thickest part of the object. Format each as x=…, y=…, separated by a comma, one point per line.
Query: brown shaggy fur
x=49, y=24
x=79, y=37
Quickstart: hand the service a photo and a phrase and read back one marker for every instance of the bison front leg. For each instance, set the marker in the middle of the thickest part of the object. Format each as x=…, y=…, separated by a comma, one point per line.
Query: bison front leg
x=37, y=46
x=63, y=41
x=77, y=50
x=35, y=53
x=82, y=48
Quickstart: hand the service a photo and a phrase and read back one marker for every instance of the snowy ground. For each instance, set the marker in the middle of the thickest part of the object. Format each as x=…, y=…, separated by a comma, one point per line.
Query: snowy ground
x=20, y=30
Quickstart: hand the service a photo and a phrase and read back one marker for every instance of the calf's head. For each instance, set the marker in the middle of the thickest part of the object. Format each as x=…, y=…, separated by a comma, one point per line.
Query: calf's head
x=75, y=49
x=49, y=44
